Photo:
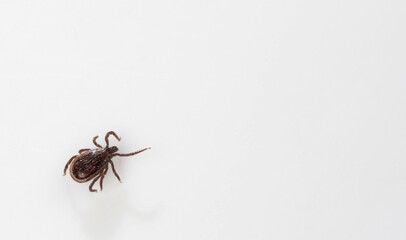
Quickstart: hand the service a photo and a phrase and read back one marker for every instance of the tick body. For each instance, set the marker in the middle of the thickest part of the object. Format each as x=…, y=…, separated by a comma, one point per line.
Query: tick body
x=94, y=163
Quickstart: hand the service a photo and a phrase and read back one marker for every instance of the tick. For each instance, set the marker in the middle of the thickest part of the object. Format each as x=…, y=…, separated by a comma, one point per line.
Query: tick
x=94, y=163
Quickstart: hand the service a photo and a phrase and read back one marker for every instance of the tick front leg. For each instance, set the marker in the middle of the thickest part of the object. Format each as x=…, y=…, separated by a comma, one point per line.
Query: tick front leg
x=95, y=143
x=102, y=177
x=91, y=185
x=67, y=164
x=83, y=150
x=114, y=170
x=129, y=154
x=107, y=137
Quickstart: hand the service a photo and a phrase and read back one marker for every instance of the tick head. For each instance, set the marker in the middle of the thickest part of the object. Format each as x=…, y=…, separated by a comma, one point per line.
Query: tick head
x=112, y=149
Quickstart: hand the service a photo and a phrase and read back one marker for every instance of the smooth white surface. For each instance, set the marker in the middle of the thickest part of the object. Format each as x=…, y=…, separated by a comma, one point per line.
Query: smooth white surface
x=267, y=119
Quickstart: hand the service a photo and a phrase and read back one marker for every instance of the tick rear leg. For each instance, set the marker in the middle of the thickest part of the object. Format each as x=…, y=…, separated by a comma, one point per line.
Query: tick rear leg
x=95, y=143
x=107, y=137
x=91, y=185
x=83, y=150
x=129, y=154
x=102, y=177
x=67, y=164
x=114, y=170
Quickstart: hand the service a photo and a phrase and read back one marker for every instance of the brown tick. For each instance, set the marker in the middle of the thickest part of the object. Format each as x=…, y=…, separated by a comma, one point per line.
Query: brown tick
x=94, y=163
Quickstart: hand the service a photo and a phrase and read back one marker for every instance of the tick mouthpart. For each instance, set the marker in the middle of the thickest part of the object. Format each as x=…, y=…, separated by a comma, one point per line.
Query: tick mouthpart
x=112, y=149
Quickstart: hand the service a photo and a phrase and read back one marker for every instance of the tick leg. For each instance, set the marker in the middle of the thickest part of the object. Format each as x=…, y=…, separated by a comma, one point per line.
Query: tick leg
x=83, y=150
x=91, y=185
x=114, y=170
x=102, y=177
x=67, y=164
x=95, y=143
x=107, y=137
x=129, y=154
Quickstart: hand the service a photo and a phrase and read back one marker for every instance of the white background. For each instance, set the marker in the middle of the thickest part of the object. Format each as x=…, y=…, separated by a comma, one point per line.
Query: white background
x=267, y=119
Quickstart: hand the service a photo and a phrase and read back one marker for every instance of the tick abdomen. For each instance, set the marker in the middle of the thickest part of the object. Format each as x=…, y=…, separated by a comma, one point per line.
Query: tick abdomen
x=89, y=163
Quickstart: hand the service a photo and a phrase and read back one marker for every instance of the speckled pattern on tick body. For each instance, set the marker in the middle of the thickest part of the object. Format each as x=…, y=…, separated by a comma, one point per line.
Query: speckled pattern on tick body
x=94, y=163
